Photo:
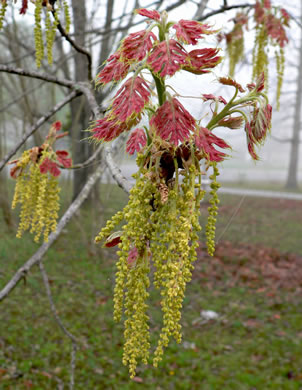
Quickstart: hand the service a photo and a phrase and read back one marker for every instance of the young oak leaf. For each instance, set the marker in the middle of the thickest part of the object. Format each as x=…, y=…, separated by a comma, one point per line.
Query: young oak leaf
x=167, y=57
x=205, y=141
x=62, y=157
x=24, y=7
x=108, y=128
x=151, y=14
x=130, y=98
x=50, y=166
x=199, y=60
x=189, y=31
x=136, y=141
x=114, y=70
x=232, y=122
x=136, y=45
x=173, y=122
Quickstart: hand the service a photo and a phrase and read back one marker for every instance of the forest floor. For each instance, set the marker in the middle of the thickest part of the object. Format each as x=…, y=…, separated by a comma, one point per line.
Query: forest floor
x=253, y=284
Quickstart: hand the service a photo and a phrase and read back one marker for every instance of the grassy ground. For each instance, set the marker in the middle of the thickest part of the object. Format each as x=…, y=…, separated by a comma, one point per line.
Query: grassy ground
x=254, y=344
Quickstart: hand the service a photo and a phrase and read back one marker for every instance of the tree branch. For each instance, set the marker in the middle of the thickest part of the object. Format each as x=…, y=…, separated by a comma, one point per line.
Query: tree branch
x=115, y=171
x=37, y=75
x=90, y=160
x=223, y=9
x=78, y=48
x=37, y=125
x=22, y=271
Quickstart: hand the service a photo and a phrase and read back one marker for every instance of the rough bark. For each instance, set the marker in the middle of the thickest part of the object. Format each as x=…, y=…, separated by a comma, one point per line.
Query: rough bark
x=80, y=112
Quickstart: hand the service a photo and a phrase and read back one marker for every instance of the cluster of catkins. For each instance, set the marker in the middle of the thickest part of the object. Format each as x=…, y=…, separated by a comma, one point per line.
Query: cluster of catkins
x=160, y=232
x=51, y=23
x=270, y=31
x=37, y=190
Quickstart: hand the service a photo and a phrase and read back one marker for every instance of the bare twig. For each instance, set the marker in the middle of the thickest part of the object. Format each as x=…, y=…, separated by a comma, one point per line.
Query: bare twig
x=37, y=125
x=24, y=269
x=223, y=9
x=73, y=339
x=115, y=171
x=38, y=75
x=79, y=49
x=90, y=160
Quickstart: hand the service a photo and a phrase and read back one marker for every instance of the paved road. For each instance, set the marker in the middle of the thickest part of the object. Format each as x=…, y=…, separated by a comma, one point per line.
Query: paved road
x=260, y=193
x=129, y=169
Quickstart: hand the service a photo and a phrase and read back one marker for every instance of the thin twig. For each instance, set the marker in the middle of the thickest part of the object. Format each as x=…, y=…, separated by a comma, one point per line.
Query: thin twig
x=73, y=339
x=90, y=160
x=38, y=75
x=115, y=171
x=223, y=9
x=78, y=48
x=37, y=125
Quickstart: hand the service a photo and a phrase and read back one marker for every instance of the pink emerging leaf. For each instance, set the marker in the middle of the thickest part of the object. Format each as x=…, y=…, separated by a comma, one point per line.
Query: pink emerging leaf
x=24, y=7
x=132, y=256
x=189, y=31
x=50, y=166
x=201, y=59
x=62, y=156
x=108, y=128
x=131, y=98
x=114, y=70
x=136, y=45
x=173, y=122
x=57, y=125
x=205, y=141
x=136, y=141
x=167, y=58
x=148, y=13
x=276, y=30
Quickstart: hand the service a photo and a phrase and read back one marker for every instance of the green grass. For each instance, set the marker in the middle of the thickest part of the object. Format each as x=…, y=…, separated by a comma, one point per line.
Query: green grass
x=255, y=344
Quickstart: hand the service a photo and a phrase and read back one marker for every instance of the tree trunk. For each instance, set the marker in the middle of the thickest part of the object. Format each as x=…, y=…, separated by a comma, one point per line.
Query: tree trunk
x=292, y=179
x=79, y=109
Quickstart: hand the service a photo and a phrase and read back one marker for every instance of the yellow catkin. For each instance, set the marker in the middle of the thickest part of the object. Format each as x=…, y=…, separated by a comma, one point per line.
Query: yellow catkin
x=38, y=33
x=2, y=12
x=67, y=16
x=38, y=195
x=235, y=48
x=260, y=58
x=280, y=63
x=210, y=228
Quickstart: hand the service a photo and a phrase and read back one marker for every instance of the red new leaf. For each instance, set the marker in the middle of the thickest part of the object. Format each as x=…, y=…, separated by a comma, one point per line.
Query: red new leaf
x=62, y=156
x=132, y=256
x=108, y=128
x=113, y=240
x=173, y=122
x=24, y=7
x=49, y=166
x=231, y=82
x=205, y=141
x=136, y=141
x=115, y=70
x=131, y=98
x=167, y=58
x=189, y=31
x=136, y=45
x=148, y=13
x=201, y=59
x=276, y=31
